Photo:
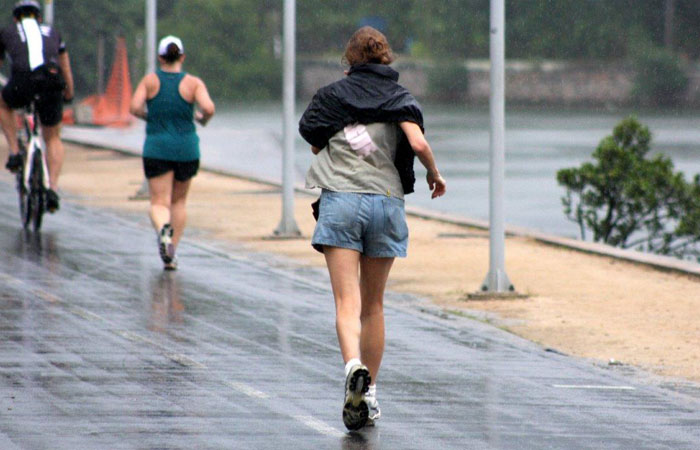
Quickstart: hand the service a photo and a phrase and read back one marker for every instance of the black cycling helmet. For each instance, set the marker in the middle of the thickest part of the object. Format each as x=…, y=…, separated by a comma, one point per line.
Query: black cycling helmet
x=26, y=8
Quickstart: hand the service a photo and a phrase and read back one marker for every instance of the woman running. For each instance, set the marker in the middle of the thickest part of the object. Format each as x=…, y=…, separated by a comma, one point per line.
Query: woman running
x=365, y=131
x=166, y=100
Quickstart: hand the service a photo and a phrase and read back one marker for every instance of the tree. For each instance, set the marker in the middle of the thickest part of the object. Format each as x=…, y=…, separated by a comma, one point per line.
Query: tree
x=231, y=43
x=631, y=201
x=235, y=55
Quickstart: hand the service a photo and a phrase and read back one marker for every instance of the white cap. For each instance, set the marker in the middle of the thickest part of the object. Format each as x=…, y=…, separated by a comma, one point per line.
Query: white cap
x=166, y=41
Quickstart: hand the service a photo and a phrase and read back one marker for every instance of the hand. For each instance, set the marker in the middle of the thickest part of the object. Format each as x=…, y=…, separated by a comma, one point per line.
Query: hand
x=199, y=117
x=68, y=94
x=437, y=184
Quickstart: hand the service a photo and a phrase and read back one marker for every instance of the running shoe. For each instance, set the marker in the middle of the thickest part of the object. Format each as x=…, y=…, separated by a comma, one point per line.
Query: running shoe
x=14, y=163
x=355, y=409
x=165, y=243
x=172, y=265
x=52, y=201
x=373, y=406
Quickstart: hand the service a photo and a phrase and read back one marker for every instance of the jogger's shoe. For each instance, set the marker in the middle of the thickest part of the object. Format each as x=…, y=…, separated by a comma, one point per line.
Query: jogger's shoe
x=52, y=201
x=355, y=408
x=14, y=163
x=374, y=413
x=165, y=243
x=172, y=265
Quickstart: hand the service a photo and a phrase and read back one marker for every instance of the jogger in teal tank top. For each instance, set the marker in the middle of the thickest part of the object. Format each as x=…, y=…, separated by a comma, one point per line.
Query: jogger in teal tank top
x=170, y=130
x=166, y=100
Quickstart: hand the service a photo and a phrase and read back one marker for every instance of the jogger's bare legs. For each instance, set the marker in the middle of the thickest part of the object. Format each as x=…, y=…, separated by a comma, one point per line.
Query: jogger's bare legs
x=178, y=211
x=374, y=273
x=161, y=190
x=343, y=267
x=358, y=288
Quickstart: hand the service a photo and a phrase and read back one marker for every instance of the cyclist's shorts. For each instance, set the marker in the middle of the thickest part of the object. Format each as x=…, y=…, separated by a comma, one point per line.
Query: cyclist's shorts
x=19, y=92
x=184, y=170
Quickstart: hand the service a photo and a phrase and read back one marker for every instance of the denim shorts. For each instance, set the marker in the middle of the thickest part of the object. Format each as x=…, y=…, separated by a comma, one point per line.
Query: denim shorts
x=372, y=224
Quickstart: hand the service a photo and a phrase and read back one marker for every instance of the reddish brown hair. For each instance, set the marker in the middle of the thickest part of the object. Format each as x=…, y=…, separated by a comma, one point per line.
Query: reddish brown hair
x=368, y=45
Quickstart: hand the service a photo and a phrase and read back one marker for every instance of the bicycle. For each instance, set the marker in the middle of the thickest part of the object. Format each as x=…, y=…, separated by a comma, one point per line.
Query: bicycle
x=33, y=176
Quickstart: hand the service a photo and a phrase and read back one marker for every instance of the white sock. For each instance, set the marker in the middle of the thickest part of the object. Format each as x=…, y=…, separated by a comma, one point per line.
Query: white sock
x=372, y=392
x=350, y=364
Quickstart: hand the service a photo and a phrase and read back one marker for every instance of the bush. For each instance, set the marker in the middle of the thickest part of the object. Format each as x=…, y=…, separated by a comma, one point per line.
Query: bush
x=660, y=79
x=630, y=201
x=448, y=82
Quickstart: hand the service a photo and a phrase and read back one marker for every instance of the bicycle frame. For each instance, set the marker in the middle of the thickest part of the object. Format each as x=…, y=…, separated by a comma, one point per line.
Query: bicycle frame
x=33, y=179
x=35, y=144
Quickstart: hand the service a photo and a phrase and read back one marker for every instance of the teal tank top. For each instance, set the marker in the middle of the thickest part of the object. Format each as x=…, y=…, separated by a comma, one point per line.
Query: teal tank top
x=170, y=130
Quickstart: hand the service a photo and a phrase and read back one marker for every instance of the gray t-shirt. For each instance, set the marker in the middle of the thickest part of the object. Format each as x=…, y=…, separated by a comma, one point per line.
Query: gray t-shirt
x=359, y=158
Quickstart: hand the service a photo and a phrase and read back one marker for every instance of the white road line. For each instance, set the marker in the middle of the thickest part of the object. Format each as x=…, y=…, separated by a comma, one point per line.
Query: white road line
x=179, y=358
x=47, y=296
x=185, y=360
x=594, y=386
x=85, y=314
x=246, y=389
x=319, y=426
x=9, y=279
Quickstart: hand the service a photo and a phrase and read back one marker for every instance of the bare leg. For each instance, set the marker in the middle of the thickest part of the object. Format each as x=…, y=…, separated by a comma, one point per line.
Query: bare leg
x=161, y=188
x=54, y=153
x=178, y=211
x=343, y=269
x=374, y=273
x=9, y=126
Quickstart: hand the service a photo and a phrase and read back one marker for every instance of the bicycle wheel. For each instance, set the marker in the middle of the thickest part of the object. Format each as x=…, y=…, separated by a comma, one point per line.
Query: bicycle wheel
x=37, y=194
x=23, y=197
x=22, y=193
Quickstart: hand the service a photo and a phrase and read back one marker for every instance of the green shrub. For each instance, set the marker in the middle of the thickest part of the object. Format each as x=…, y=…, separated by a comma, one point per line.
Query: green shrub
x=448, y=82
x=660, y=78
x=630, y=200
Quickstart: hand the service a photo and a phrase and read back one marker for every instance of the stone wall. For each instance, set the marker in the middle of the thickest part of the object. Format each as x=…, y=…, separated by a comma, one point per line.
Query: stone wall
x=551, y=83
x=318, y=73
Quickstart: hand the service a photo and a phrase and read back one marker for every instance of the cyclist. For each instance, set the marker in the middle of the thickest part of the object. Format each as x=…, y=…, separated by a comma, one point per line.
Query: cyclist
x=166, y=100
x=40, y=72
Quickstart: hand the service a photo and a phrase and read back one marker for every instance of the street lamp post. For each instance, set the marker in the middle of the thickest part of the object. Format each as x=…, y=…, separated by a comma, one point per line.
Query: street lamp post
x=151, y=25
x=48, y=12
x=287, y=227
x=497, y=280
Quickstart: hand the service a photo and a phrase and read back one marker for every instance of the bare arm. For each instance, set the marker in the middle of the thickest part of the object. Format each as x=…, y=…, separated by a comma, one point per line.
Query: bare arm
x=138, y=100
x=425, y=155
x=204, y=103
x=64, y=64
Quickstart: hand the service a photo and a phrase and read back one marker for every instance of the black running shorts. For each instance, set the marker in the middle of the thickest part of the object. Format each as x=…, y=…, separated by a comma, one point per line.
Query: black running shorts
x=184, y=170
x=19, y=92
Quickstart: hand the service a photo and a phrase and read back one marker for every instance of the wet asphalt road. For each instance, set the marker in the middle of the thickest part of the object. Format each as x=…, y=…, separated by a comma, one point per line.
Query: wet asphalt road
x=101, y=349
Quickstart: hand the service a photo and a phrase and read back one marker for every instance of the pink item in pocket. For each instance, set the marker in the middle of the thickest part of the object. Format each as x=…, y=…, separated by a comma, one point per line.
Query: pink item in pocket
x=360, y=140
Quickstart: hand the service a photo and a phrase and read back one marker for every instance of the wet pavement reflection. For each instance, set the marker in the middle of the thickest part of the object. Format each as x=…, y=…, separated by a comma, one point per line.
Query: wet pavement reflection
x=166, y=306
x=99, y=348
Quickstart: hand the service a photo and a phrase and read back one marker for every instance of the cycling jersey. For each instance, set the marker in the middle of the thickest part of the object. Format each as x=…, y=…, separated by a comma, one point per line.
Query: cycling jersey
x=30, y=46
x=15, y=41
